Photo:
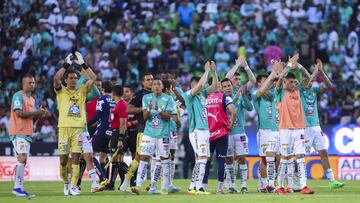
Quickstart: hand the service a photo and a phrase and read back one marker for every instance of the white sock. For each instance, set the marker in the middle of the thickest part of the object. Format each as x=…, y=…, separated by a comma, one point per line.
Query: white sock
x=125, y=184
x=141, y=173
x=155, y=176
x=282, y=172
x=19, y=175
x=236, y=171
x=202, y=168
x=302, y=171
x=92, y=175
x=329, y=174
x=153, y=163
x=172, y=173
x=270, y=169
x=290, y=173
x=243, y=174
x=165, y=164
x=229, y=171
x=220, y=186
x=194, y=176
x=297, y=175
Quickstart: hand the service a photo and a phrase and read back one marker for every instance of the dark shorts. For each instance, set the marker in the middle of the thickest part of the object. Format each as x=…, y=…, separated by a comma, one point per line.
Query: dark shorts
x=130, y=140
x=100, y=142
x=220, y=145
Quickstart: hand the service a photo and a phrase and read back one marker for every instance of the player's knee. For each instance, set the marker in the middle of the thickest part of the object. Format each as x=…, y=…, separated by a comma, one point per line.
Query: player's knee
x=22, y=158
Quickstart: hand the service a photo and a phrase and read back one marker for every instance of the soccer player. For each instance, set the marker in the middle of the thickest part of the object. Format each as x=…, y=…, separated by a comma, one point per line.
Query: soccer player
x=313, y=134
x=198, y=126
x=103, y=133
x=22, y=115
x=238, y=142
x=175, y=123
x=157, y=109
x=268, y=133
x=118, y=121
x=72, y=121
x=135, y=108
x=218, y=105
x=87, y=160
x=291, y=126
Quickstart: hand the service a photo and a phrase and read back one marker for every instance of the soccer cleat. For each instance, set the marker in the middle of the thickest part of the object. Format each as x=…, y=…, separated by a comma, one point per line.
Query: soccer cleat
x=148, y=187
x=28, y=195
x=220, y=192
x=233, y=190
x=97, y=188
x=135, y=190
x=289, y=190
x=173, y=189
x=74, y=191
x=244, y=190
x=262, y=189
x=164, y=191
x=104, y=182
x=109, y=188
x=281, y=191
x=19, y=192
x=66, y=189
x=335, y=184
x=307, y=191
x=191, y=192
x=271, y=189
x=153, y=192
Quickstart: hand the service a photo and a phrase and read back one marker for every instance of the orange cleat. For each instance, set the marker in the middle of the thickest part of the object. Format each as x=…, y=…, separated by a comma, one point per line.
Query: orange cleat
x=307, y=191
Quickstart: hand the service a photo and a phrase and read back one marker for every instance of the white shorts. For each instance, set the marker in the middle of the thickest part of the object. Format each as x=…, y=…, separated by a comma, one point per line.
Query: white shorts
x=86, y=142
x=237, y=145
x=262, y=140
x=200, y=141
x=173, y=140
x=273, y=142
x=159, y=146
x=314, y=138
x=21, y=146
x=292, y=142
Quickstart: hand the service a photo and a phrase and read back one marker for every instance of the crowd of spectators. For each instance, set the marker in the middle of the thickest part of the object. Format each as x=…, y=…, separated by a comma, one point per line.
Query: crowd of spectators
x=122, y=39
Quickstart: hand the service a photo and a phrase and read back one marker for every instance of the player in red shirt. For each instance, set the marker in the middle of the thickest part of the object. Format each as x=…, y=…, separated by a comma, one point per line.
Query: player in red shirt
x=118, y=122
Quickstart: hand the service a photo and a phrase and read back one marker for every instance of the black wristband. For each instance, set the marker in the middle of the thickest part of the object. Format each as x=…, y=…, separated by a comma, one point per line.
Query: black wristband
x=84, y=66
x=66, y=66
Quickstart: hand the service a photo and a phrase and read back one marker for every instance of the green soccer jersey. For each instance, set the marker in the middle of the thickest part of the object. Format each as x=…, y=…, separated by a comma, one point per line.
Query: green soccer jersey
x=241, y=103
x=197, y=110
x=90, y=96
x=155, y=126
x=309, y=104
x=264, y=109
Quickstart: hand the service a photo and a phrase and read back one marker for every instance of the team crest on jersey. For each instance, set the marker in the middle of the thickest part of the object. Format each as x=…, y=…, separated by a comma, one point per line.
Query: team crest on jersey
x=204, y=113
x=155, y=122
x=74, y=110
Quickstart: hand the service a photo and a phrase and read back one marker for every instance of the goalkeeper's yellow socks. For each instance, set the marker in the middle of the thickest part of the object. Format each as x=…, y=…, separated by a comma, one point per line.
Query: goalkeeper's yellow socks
x=133, y=166
x=75, y=174
x=64, y=173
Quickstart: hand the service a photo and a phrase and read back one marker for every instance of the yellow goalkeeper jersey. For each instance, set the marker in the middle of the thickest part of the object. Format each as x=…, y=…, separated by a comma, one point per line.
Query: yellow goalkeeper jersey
x=71, y=105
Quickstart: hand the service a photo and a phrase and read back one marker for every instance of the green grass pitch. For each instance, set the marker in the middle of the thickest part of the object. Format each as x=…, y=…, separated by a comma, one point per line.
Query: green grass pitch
x=53, y=192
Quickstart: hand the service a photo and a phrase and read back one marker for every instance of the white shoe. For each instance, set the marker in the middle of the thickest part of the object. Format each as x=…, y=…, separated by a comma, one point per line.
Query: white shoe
x=97, y=188
x=74, y=191
x=66, y=189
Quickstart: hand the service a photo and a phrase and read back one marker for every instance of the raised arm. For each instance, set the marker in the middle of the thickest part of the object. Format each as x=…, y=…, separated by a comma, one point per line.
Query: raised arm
x=200, y=85
x=88, y=71
x=177, y=93
x=246, y=103
x=233, y=70
x=276, y=69
x=214, y=85
x=61, y=71
x=328, y=83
